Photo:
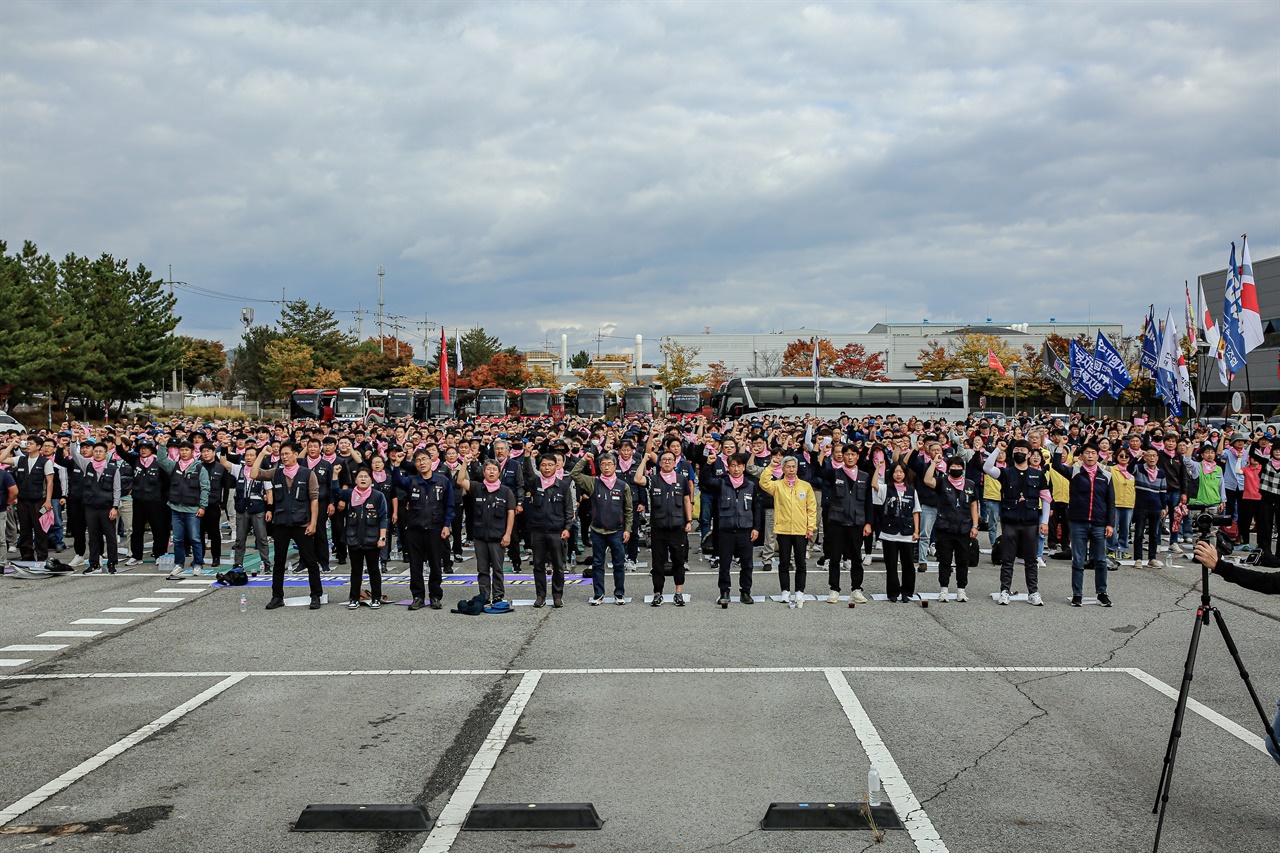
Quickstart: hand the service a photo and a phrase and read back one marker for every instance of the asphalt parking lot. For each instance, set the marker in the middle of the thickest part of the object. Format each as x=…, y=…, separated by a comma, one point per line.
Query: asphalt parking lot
x=995, y=728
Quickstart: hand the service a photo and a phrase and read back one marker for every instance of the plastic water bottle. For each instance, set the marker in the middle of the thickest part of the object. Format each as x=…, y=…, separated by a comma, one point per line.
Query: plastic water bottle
x=244, y=603
x=165, y=563
x=1168, y=559
x=874, y=794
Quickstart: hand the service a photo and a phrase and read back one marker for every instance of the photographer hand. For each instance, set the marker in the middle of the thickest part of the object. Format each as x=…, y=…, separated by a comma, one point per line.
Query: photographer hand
x=1206, y=554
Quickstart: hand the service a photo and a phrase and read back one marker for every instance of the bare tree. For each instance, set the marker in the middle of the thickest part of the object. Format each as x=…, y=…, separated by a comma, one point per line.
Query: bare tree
x=767, y=363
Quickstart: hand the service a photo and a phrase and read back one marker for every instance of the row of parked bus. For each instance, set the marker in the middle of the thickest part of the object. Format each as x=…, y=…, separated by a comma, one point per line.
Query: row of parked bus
x=369, y=405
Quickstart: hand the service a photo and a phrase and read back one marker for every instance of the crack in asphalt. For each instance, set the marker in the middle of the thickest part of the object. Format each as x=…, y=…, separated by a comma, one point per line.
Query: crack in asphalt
x=733, y=840
x=1178, y=607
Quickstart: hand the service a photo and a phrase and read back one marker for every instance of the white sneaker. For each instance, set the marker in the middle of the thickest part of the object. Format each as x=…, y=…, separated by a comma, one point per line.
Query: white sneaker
x=961, y=595
x=1004, y=597
x=77, y=560
x=176, y=575
x=858, y=597
x=1175, y=548
x=631, y=565
x=799, y=600
x=786, y=597
x=942, y=595
x=1035, y=600
x=596, y=602
x=866, y=560
x=833, y=597
x=1040, y=562
x=132, y=562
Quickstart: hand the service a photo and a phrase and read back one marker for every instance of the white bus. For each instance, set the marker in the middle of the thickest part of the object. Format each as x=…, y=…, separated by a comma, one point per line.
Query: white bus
x=793, y=397
x=366, y=405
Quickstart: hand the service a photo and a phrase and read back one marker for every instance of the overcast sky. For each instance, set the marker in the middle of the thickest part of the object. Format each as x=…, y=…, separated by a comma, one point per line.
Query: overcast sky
x=649, y=168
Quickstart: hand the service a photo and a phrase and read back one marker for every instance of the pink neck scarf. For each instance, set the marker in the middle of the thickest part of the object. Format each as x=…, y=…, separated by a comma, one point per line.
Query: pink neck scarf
x=901, y=487
x=379, y=476
x=291, y=471
x=609, y=481
x=1091, y=470
x=736, y=481
x=98, y=466
x=146, y=461
x=777, y=472
x=330, y=458
x=959, y=484
x=492, y=487
x=1152, y=472
x=791, y=481
x=183, y=466
x=669, y=478
x=548, y=482
x=1275, y=463
x=359, y=496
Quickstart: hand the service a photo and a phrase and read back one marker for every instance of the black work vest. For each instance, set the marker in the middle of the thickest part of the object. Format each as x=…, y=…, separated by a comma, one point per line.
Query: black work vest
x=666, y=501
x=126, y=478
x=424, y=501
x=953, y=506
x=324, y=476
x=215, y=471
x=545, y=508
x=30, y=477
x=849, y=498
x=291, y=505
x=148, y=484
x=897, y=519
x=735, y=507
x=1020, y=495
x=490, y=514
x=250, y=494
x=362, y=526
x=184, y=489
x=75, y=483
x=99, y=489
x=606, y=505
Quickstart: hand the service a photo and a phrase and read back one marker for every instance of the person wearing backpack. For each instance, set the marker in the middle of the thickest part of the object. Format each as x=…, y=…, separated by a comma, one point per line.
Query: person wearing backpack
x=1091, y=512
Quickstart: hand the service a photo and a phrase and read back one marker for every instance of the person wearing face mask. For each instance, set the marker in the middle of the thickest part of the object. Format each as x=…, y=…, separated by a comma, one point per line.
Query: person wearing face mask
x=495, y=513
x=1091, y=511
x=1024, y=514
x=956, y=526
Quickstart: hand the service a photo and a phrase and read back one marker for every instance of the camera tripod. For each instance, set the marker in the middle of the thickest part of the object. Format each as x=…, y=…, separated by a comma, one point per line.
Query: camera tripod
x=1175, y=734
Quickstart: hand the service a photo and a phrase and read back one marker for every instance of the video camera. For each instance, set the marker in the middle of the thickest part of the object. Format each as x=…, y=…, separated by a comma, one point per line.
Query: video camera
x=1206, y=522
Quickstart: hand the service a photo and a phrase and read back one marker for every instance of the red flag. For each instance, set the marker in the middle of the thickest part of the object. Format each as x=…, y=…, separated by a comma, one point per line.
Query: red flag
x=444, y=366
x=994, y=363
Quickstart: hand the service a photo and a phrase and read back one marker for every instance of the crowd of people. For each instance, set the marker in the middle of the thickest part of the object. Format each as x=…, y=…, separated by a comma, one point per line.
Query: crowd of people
x=756, y=493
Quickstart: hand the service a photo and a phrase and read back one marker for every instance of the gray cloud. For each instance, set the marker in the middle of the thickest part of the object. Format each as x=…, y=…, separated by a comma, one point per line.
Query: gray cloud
x=540, y=168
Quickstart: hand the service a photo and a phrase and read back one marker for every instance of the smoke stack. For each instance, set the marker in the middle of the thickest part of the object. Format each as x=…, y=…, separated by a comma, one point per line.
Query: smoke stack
x=639, y=354
x=564, y=354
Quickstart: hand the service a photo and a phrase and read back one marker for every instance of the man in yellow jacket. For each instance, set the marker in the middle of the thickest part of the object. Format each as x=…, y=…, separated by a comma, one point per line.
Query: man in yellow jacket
x=795, y=521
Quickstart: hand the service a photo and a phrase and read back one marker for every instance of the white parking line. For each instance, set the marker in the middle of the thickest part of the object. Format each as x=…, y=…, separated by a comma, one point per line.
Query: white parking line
x=39, y=647
x=66, y=780
x=101, y=621
x=1224, y=723
x=69, y=634
x=14, y=661
x=464, y=796
x=172, y=590
x=913, y=816
x=131, y=610
x=155, y=600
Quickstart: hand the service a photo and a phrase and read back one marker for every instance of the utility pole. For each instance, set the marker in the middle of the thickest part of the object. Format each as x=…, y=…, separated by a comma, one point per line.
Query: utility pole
x=171, y=313
x=381, y=272
x=359, y=323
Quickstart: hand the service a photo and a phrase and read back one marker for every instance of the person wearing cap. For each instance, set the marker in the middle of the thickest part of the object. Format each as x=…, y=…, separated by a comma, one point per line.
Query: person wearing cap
x=427, y=505
x=1178, y=482
x=611, y=517
x=1024, y=515
x=34, y=475
x=1234, y=458
x=150, y=484
x=1209, y=484
x=188, y=499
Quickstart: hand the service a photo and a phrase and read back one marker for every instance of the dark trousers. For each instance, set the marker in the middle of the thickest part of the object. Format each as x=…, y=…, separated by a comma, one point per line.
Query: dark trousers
x=284, y=534
x=76, y=524
x=1268, y=515
x=1059, y=526
x=731, y=543
x=1019, y=541
x=489, y=569
x=900, y=568
x=320, y=540
x=1234, y=496
x=513, y=550
x=363, y=559
x=791, y=545
x=1146, y=522
x=952, y=546
x=632, y=546
x=548, y=549
x=843, y=542
x=99, y=525
x=670, y=544
x=1246, y=512
x=428, y=546
x=32, y=541
x=339, y=524
x=211, y=528
x=153, y=514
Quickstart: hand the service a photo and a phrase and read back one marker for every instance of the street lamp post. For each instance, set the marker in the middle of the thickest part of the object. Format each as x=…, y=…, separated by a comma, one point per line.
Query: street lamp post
x=1014, y=368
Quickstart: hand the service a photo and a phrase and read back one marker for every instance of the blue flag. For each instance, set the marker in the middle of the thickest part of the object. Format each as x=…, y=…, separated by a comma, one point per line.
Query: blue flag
x=1232, y=321
x=1150, y=342
x=1088, y=379
x=1109, y=357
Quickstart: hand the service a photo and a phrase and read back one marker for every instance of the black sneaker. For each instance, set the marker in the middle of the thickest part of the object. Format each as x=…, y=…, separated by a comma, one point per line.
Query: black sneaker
x=657, y=600
x=435, y=604
x=274, y=603
x=724, y=600
x=746, y=598
x=91, y=570
x=678, y=599
x=1104, y=599
x=111, y=569
x=1076, y=601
